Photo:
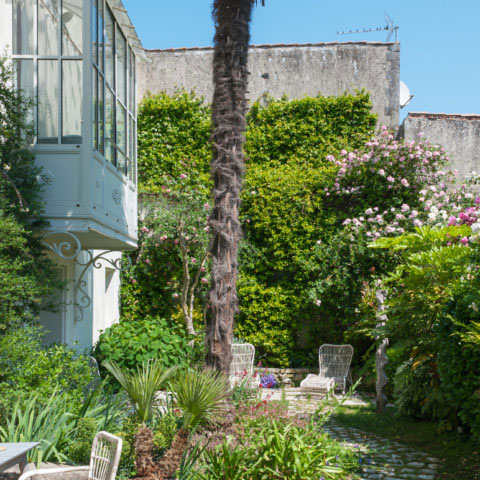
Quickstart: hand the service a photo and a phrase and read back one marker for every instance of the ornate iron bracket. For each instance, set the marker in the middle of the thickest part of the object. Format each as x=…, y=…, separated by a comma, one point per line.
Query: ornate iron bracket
x=70, y=249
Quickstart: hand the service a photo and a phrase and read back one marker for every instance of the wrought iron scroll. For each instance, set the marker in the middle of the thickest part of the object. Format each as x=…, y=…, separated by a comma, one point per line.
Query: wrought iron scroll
x=70, y=249
x=82, y=299
x=67, y=249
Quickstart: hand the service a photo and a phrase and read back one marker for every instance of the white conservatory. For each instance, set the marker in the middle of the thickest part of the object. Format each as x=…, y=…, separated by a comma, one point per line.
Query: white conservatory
x=77, y=59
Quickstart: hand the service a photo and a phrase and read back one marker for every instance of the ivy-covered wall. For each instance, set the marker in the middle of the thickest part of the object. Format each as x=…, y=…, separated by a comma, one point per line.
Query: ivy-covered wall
x=284, y=216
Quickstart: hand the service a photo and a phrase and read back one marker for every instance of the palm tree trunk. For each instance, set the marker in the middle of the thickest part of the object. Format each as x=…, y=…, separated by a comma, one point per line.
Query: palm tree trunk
x=170, y=462
x=232, y=20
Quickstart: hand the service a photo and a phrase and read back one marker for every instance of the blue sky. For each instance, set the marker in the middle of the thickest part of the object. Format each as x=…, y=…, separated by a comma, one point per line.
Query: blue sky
x=440, y=39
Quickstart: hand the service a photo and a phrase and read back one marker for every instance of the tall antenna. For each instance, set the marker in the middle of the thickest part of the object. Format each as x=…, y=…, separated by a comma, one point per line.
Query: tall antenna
x=390, y=27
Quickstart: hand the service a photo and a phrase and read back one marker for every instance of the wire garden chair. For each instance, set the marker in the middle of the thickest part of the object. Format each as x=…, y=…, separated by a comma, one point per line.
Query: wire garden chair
x=104, y=460
x=243, y=356
x=334, y=362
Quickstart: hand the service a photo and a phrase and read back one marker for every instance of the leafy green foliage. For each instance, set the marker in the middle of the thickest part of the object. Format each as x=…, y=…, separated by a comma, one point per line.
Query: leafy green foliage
x=307, y=129
x=423, y=283
x=29, y=368
x=27, y=277
x=459, y=355
x=59, y=424
x=48, y=424
x=165, y=429
x=168, y=273
x=280, y=450
x=130, y=344
x=173, y=139
x=81, y=446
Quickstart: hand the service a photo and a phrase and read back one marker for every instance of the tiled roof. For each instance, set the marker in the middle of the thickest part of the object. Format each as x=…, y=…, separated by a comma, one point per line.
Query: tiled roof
x=452, y=116
x=275, y=45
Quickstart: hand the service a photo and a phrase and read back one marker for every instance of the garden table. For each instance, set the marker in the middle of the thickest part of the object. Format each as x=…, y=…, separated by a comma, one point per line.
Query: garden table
x=15, y=454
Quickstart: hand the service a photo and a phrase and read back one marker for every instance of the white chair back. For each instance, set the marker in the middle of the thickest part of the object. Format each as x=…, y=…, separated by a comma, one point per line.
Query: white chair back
x=243, y=356
x=334, y=362
x=105, y=456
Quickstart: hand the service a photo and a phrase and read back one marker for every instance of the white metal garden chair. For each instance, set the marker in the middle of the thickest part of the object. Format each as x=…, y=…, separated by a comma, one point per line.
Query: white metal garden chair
x=334, y=362
x=104, y=460
x=243, y=356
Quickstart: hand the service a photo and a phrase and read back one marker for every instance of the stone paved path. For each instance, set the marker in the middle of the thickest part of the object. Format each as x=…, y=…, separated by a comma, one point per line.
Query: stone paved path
x=381, y=459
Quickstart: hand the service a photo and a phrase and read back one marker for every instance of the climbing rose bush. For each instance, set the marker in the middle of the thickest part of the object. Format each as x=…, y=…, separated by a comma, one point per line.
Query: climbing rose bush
x=410, y=176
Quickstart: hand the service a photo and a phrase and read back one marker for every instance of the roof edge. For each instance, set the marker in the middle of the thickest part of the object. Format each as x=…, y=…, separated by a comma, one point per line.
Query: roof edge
x=452, y=116
x=121, y=15
x=275, y=45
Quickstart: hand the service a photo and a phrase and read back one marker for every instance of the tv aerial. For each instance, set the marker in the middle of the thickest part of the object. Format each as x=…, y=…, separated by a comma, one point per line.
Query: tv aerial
x=390, y=27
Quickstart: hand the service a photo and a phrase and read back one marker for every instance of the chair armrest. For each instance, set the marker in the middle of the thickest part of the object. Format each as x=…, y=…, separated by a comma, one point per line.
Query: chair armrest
x=48, y=471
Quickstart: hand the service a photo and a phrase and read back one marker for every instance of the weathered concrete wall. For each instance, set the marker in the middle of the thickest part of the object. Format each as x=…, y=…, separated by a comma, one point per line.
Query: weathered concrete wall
x=458, y=134
x=294, y=70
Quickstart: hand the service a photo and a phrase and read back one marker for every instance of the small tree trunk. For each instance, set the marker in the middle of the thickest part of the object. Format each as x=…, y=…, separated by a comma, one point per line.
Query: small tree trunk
x=232, y=19
x=381, y=359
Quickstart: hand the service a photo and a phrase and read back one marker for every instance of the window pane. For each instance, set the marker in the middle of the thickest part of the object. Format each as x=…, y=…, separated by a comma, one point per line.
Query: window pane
x=101, y=114
x=47, y=101
x=94, y=32
x=109, y=126
x=95, y=109
x=109, y=42
x=23, y=74
x=100, y=34
x=72, y=27
x=131, y=71
x=48, y=24
x=121, y=45
x=72, y=101
x=23, y=70
x=23, y=42
x=121, y=137
x=131, y=155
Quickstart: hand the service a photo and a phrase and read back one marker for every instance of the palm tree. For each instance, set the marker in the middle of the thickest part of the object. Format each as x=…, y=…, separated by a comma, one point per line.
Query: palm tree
x=232, y=21
x=142, y=385
x=200, y=396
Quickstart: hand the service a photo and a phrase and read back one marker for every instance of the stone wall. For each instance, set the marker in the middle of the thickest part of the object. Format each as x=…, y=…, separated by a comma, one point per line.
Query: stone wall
x=294, y=70
x=458, y=134
x=290, y=376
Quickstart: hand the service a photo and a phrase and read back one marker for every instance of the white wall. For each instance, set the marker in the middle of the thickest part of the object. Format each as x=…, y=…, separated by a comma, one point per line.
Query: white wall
x=101, y=308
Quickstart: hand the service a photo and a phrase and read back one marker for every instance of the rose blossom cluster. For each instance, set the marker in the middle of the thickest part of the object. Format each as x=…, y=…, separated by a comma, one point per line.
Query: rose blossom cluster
x=401, y=170
x=390, y=164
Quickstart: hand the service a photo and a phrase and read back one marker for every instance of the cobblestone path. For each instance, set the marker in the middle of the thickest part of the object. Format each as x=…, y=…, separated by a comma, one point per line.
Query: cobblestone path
x=383, y=459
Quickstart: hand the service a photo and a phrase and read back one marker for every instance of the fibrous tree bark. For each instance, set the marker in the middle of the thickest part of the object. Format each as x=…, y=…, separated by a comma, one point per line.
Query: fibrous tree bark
x=232, y=23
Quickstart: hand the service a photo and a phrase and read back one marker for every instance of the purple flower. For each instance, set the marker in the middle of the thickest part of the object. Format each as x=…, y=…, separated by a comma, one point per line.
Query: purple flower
x=268, y=381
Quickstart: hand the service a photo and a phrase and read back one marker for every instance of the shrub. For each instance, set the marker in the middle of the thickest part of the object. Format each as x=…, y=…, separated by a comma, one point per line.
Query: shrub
x=165, y=429
x=130, y=344
x=29, y=368
x=27, y=276
x=81, y=446
x=458, y=358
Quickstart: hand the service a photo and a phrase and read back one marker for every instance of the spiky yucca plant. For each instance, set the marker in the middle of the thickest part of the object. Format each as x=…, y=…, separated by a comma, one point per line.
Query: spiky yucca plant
x=200, y=396
x=142, y=384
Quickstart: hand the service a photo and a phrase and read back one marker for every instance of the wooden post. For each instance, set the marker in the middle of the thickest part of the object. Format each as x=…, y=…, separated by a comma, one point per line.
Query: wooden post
x=381, y=359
